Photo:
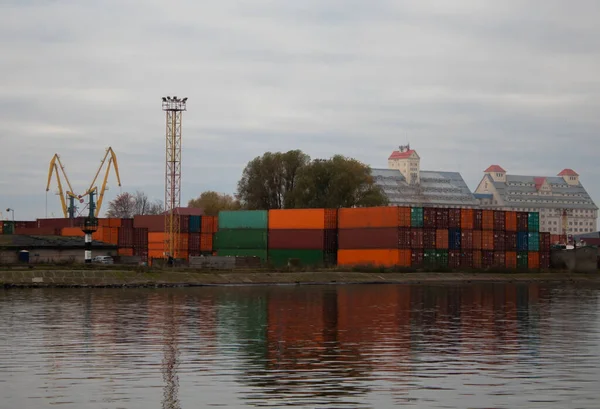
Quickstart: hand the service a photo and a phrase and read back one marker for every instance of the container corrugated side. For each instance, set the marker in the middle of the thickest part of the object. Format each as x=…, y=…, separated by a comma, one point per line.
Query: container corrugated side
x=307, y=239
x=429, y=218
x=466, y=258
x=533, y=241
x=499, y=220
x=429, y=236
x=499, y=241
x=244, y=219
x=487, y=221
x=441, y=239
x=454, y=258
x=441, y=218
x=301, y=219
x=416, y=217
x=195, y=224
x=522, y=241
x=510, y=243
x=125, y=238
x=368, y=217
x=454, y=218
x=241, y=239
x=302, y=257
x=368, y=238
x=375, y=257
x=454, y=239
x=499, y=259
x=404, y=238
x=466, y=239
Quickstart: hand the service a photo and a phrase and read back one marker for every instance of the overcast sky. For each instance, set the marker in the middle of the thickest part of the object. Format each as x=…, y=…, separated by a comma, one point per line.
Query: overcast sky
x=468, y=83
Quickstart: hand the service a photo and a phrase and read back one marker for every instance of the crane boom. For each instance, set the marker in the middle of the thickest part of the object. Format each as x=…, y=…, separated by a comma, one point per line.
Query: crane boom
x=112, y=160
x=57, y=167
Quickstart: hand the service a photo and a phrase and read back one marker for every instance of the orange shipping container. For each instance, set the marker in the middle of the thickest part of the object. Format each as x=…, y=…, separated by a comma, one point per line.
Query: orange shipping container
x=510, y=220
x=209, y=224
x=467, y=219
x=206, y=242
x=125, y=251
x=72, y=232
x=159, y=245
x=487, y=239
x=156, y=246
x=114, y=222
x=511, y=259
x=376, y=257
x=156, y=237
x=316, y=219
x=477, y=257
x=385, y=216
x=441, y=239
x=477, y=239
x=533, y=260
x=404, y=217
x=404, y=258
x=487, y=221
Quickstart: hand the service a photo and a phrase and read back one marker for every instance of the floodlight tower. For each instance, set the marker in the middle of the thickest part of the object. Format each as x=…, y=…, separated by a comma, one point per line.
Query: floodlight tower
x=174, y=108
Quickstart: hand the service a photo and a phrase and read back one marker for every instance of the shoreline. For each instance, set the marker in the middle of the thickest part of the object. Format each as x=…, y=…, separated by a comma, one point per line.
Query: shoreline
x=132, y=279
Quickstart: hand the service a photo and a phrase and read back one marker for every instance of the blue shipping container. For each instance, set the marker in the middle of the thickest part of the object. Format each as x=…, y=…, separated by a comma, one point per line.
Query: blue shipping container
x=533, y=241
x=195, y=224
x=454, y=239
x=522, y=241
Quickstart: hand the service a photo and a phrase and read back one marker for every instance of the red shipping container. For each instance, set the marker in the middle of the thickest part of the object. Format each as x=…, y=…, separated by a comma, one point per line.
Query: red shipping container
x=416, y=238
x=466, y=259
x=416, y=258
x=125, y=237
x=544, y=242
x=466, y=239
x=127, y=223
x=477, y=239
x=140, y=238
x=511, y=259
x=59, y=223
x=522, y=221
x=429, y=238
x=429, y=217
x=38, y=231
x=366, y=238
x=499, y=220
x=441, y=218
x=487, y=221
x=545, y=260
x=29, y=224
x=454, y=258
x=194, y=244
x=477, y=258
x=206, y=242
x=454, y=218
x=306, y=239
x=466, y=219
x=154, y=223
x=404, y=238
x=499, y=259
x=208, y=224
x=510, y=221
x=478, y=219
x=487, y=240
x=499, y=241
x=533, y=260
x=487, y=258
x=441, y=239
x=510, y=242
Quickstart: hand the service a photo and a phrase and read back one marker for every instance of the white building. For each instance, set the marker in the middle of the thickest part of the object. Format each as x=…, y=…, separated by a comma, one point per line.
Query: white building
x=549, y=196
x=405, y=184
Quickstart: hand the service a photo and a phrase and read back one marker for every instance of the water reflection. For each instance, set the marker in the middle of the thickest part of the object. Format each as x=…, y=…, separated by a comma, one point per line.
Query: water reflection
x=356, y=346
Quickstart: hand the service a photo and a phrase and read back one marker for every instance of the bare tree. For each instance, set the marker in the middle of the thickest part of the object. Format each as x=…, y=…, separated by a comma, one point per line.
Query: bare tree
x=127, y=205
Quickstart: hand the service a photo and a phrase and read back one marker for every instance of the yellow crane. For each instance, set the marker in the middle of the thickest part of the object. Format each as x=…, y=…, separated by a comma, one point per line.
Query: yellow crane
x=110, y=159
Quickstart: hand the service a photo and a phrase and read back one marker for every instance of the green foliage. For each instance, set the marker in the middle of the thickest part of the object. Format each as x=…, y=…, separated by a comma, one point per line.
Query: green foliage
x=337, y=182
x=213, y=202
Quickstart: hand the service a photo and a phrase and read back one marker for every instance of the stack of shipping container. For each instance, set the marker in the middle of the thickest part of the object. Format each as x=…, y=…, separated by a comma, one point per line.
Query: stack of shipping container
x=306, y=235
x=242, y=233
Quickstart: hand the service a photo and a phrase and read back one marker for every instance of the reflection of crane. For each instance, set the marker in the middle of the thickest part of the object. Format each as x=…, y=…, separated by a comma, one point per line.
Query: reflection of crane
x=69, y=211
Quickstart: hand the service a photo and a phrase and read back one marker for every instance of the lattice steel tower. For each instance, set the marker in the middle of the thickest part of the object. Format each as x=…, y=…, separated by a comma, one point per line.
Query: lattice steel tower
x=174, y=108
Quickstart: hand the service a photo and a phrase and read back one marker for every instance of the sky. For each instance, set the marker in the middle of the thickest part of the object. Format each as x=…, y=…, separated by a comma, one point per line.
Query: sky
x=467, y=83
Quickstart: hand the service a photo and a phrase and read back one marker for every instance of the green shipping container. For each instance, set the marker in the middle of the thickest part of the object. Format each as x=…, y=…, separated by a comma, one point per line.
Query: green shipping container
x=312, y=258
x=8, y=228
x=244, y=219
x=262, y=254
x=522, y=260
x=533, y=221
x=429, y=257
x=441, y=258
x=533, y=241
x=241, y=239
x=416, y=217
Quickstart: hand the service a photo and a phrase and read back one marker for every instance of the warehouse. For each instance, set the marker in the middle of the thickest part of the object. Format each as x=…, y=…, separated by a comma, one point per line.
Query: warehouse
x=49, y=249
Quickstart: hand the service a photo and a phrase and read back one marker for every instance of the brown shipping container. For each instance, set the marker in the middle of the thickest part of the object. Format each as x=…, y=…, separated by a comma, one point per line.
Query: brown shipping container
x=140, y=237
x=454, y=216
x=194, y=243
x=466, y=239
x=416, y=258
x=477, y=220
x=477, y=239
x=404, y=217
x=39, y=231
x=466, y=219
x=416, y=238
x=441, y=218
x=466, y=259
x=125, y=237
x=429, y=238
x=331, y=240
x=499, y=259
x=545, y=260
x=487, y=220
x=376, y=257
x=511, y=242
x=544, y=242
x=522, y=221
x=454, y=258
x=127, y=223
x=154, y=223
x=404, y=238
x=487, y=240
x=477, y=259
x=487, y=258
x=60, y=222
x=441, y=239
x=368, y=217
x=499, y=220
x=429, y=216
x=510, y=222
x=511, y=259
x=299, y=239
x=499, y=241
x=123, y=251
x=206, y=241
x=373, y=238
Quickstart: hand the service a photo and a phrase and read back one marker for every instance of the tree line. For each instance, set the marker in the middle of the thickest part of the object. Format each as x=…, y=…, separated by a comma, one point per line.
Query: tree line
x=283, y=180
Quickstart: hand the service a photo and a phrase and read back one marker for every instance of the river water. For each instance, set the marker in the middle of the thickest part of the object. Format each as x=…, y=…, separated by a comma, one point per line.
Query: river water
x=353, y=346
